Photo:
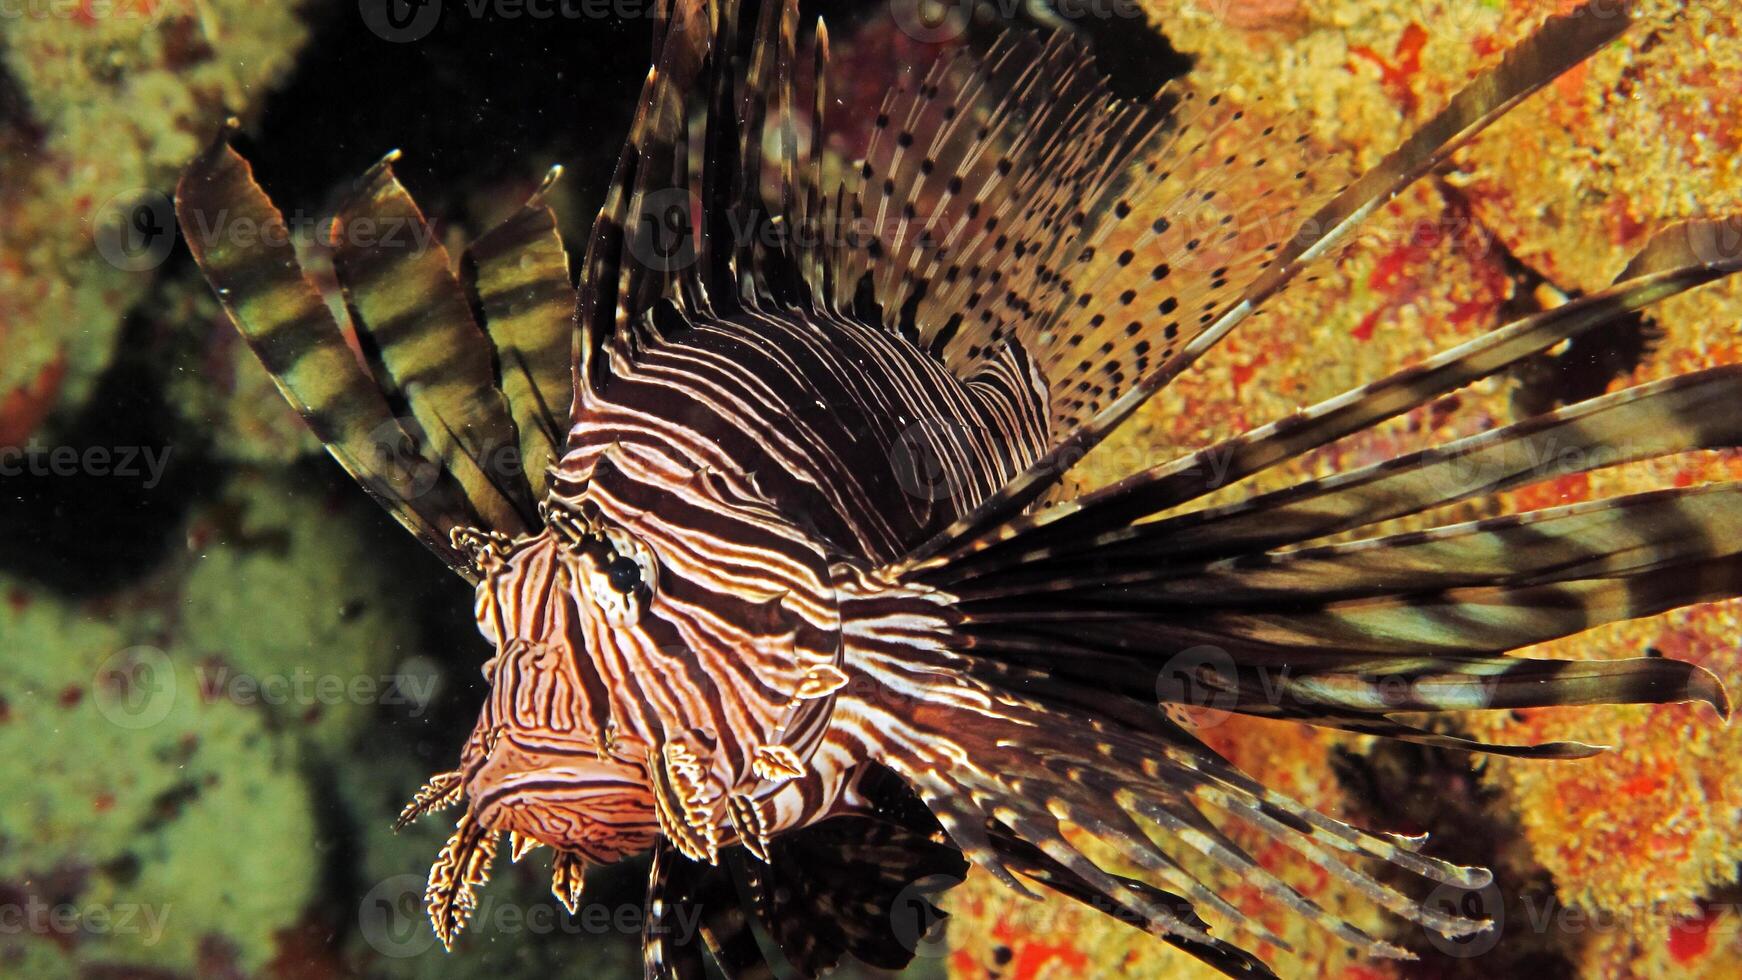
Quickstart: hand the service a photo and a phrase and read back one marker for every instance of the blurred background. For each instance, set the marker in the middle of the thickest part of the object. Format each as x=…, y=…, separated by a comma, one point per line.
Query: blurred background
x=223, y=670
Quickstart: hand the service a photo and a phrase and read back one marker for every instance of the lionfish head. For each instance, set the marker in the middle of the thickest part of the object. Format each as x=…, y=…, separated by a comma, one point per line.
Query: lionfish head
x=545, y=761
x=545, y=764
x=663, y=645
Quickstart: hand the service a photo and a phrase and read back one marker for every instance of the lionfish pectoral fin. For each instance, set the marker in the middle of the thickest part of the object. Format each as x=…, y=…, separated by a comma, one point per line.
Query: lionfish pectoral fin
x=281, y=315
x=1231, y=960
x=1420, y=621
x=1066, y=755
x=860, y=884
x=1402, y=732
x=442, y=791
x=1675, y=415
x=459, y=871
x=693, y=906
x=1346, y=635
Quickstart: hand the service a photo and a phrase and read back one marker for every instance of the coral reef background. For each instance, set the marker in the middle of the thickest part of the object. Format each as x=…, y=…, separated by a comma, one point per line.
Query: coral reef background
x=222, y=670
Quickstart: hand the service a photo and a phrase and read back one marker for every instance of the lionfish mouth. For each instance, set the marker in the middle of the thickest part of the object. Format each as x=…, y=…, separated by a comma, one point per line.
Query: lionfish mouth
x=540, y=790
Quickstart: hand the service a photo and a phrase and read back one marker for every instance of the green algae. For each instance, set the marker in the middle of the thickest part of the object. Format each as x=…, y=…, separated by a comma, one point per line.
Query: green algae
x=140, y=824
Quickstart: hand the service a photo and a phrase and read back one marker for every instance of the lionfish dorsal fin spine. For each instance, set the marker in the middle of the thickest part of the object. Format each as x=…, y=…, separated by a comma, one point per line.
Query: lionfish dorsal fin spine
x=280, y=312
x=416, y=329
x=1562, y=43
x=1668, y=266
x=517, y=280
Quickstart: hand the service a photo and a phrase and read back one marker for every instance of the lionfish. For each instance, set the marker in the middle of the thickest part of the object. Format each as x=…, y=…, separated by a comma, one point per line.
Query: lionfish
x=783, y=590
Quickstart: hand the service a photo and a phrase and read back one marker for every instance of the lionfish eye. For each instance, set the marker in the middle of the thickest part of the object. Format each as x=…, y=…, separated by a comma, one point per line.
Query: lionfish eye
x=624, y=575
x=615, y=568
